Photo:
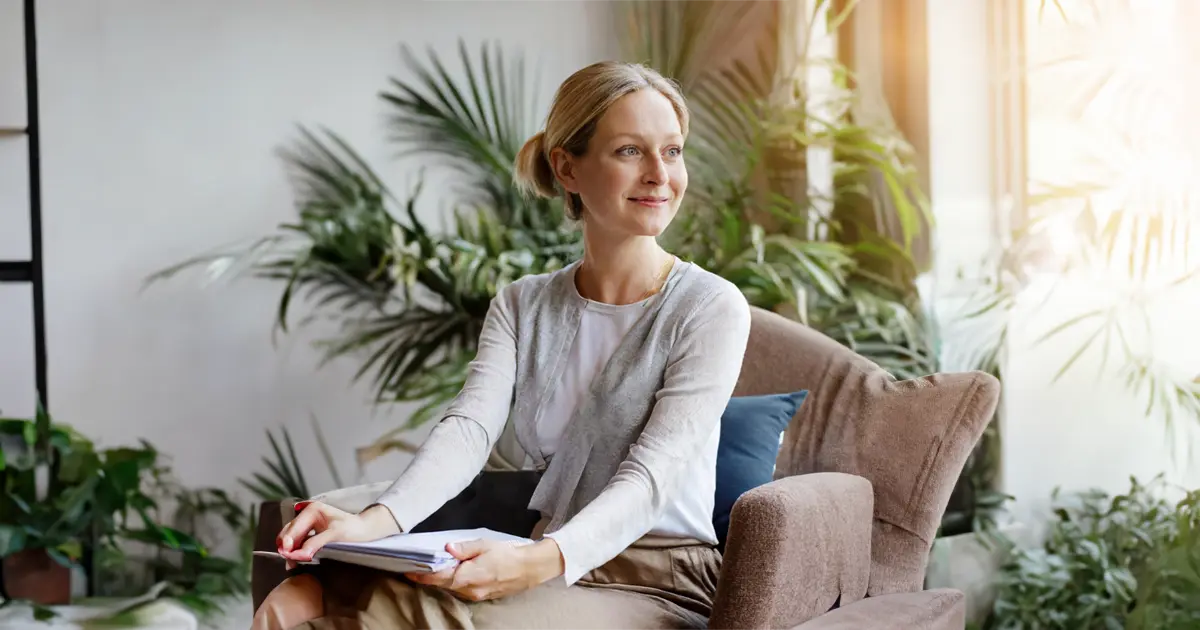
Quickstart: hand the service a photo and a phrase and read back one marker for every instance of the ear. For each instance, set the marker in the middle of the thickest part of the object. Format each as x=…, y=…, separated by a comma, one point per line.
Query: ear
x=564, y=167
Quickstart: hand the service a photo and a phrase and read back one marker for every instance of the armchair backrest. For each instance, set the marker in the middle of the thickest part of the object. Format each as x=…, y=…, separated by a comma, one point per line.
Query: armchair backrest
x=910, y=439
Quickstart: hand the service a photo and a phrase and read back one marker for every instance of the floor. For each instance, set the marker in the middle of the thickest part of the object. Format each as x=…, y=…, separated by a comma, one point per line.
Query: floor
x=237, y=616
x=162, y=614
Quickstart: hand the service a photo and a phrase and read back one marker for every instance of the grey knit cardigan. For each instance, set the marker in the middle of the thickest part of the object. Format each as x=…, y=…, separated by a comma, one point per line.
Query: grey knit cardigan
x=648, y=413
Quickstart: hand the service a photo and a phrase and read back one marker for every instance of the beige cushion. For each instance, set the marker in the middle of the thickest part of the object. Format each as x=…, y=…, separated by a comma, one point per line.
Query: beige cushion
x=942, y=609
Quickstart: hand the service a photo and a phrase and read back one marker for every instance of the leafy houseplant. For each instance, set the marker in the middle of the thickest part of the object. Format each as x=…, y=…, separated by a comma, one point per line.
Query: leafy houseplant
x=1126, y=561
x=80, y=506
x=33, y=529
x=815, y=250
x=1168, y=595
x=285, y=476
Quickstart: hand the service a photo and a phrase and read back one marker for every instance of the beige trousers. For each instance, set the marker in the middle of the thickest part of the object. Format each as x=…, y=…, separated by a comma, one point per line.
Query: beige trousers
x=655, y=583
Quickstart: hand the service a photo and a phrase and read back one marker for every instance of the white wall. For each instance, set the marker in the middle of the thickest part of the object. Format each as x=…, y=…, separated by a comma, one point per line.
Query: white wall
x=160, y=119
x=1083, y=431
x=960, y=163
x=1088, y=430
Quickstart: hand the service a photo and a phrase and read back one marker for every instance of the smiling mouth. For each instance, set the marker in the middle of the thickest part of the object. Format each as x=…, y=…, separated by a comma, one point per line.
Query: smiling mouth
x=649, y=201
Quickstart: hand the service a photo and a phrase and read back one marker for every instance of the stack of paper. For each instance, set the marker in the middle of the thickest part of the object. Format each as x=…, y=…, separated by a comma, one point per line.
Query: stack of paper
x=411, y=553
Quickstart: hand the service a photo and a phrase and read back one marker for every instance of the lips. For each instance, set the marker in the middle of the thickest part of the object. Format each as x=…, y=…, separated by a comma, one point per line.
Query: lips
x=649, y=201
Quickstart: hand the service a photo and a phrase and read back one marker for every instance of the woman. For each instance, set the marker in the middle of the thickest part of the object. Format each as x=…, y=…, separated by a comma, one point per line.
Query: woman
x=614, y=370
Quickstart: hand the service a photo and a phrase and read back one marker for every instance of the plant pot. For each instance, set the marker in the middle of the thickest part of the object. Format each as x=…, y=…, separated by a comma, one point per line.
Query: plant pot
x=967, y=563
x=33, y=575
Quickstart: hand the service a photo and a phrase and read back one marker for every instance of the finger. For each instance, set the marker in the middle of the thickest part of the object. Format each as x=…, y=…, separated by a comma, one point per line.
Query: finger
x=469, y=575
x=421, y=578
x=314, y=544
x=467, y=549
x=294, y=533
x=474, y=594
x=295, y=510
x=466, y=574
x=472, y=584
x=437, y=578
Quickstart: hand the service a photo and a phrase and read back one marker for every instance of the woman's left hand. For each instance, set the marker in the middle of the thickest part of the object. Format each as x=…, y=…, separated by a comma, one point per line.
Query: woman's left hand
x=490, y=569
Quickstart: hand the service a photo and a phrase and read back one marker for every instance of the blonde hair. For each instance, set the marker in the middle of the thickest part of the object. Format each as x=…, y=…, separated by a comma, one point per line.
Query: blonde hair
x=579, y=102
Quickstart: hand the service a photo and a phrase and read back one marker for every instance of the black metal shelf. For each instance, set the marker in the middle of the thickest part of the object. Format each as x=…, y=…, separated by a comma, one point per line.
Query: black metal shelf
x=31, y=271
x=16, y=271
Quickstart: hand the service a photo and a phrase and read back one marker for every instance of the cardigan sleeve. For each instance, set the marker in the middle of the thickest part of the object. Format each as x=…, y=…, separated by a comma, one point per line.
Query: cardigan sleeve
x=459, y=445
x=699, y=378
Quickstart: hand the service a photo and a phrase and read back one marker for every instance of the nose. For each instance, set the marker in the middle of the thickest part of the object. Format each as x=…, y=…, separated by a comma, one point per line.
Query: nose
x=655, y=173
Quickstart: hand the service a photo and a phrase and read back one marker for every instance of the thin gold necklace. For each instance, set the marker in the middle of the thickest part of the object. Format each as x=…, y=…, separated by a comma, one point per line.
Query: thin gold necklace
x=659, y=281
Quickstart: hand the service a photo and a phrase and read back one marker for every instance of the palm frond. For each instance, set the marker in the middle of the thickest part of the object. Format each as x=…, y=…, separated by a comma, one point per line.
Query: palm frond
x=285, y=477
x=881, y=327
x=400, y=346
x=408, y=299
x=338, y=252
x=876, y=187
x=445, y=117
x=473, y=121
x=689, y=40
x=325, y=452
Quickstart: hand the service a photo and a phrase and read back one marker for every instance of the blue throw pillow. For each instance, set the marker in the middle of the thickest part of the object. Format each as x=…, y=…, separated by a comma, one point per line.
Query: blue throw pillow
x=750, y=430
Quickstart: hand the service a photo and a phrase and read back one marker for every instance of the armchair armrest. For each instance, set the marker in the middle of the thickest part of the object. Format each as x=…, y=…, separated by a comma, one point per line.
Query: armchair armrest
x=796, y=546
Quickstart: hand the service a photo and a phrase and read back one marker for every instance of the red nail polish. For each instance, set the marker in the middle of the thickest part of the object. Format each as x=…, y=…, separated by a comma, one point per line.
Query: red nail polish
x=300, y=505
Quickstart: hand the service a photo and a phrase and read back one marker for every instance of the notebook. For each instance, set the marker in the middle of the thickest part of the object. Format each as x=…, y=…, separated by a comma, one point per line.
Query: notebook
x=406, y=553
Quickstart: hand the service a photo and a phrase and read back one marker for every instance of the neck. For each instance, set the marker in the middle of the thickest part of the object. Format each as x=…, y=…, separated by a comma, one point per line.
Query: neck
x=620, y=271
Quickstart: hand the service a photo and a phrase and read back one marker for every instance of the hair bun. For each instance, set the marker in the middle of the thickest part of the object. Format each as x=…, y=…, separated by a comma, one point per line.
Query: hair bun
x=534, y=174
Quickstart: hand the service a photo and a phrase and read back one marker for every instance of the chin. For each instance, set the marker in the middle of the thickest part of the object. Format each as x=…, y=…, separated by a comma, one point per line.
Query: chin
x=652, y=223
x=650, y=228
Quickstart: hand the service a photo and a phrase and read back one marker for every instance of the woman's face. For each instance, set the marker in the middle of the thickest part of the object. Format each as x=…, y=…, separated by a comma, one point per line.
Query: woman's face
x=632, y=177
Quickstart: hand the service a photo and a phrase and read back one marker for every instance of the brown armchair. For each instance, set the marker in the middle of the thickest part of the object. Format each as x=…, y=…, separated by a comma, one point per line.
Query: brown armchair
x=841, y=538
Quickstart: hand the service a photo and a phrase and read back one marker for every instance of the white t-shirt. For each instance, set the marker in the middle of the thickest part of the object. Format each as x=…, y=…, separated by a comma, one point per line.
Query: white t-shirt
x=601, y=329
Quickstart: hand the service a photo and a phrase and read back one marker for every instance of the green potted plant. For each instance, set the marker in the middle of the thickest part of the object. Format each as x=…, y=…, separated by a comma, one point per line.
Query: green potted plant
x=1130, y=560
x=37, y=549
x=65, y=504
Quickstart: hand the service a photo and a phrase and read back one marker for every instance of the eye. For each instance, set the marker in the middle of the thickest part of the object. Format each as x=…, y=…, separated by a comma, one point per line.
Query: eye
x=675, y=152
x=629, y=150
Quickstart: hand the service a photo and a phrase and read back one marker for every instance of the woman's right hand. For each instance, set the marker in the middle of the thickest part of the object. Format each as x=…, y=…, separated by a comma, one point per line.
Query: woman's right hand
x=328, y=524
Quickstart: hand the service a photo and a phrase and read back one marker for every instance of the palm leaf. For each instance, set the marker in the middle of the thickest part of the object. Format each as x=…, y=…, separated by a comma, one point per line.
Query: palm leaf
x=474, y=125
x=285, y=478
x=325, y=453
x=337, y=253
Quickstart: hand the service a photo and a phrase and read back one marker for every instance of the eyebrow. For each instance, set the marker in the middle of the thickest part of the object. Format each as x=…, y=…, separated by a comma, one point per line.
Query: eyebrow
x=637, y=136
